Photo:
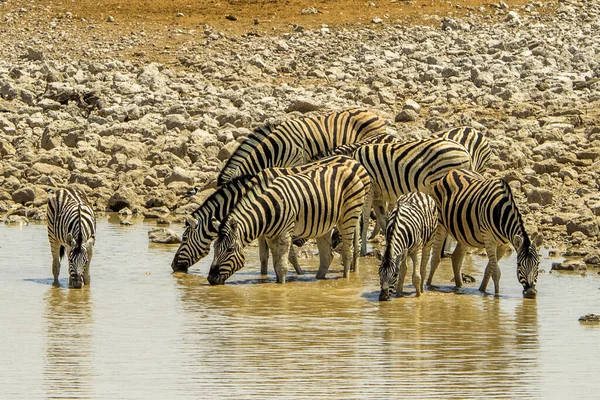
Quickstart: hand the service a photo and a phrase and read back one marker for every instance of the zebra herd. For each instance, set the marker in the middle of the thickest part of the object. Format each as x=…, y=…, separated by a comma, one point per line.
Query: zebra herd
x=305, y=177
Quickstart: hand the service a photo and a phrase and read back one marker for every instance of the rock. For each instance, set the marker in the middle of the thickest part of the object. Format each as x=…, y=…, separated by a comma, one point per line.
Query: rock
x=540, y=196
x=412, y=105
x=590, y=319
x=123, y=197
x=512, y=18
x=227, y=150
x=16, y=220
x=310, y=10
x=569, y=266
x=179, y=175
x=6, y=126
x=23, y=195
x=303, y=105
x=35, y=54
x=163, y=235
x=156, y=212
x=407, y=115
x=587, y=226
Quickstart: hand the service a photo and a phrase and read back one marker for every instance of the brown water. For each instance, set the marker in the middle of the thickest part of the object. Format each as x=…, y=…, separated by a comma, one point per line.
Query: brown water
x=141, y=332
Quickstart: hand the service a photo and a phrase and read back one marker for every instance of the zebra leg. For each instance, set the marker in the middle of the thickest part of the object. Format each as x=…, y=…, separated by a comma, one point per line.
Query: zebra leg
x=438, y=242
x=457, y=259
x=492, y=268
x=355, y=249
x=416, y=275
x=380, y=208
x=280, y=247
x=402, y=262
x=425, y=255
x=325, y=255
x=365, y=221
x=293, y=259
x=263, y=255
x=55, y=250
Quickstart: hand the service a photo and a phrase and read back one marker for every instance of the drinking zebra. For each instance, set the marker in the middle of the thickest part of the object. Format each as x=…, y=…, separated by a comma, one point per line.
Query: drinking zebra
x=305, y=205
x=297, y=141
x=411, y=228
x=482, y=213
x=399, y=168
x=199, y=231
x=71, y=228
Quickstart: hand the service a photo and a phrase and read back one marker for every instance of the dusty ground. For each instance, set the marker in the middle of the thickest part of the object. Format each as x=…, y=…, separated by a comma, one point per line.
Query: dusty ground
x=170, y=24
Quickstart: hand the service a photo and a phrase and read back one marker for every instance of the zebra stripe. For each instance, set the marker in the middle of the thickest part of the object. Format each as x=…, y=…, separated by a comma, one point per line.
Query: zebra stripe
x=71, y=227
x=305, y=205
x=297, y=141
x=399, y=168
x=411, y=228
x=480, y=212
x=199, y=231
x=475, y=143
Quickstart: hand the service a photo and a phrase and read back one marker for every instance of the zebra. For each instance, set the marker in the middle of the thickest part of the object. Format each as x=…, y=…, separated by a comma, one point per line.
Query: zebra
x=306, y=205
x=297, y=141
x=399, y=168
x=199, y=231
x=411, y=228
x=71, y=229
x=475, y=143
x=482, y=213
x=473, y=140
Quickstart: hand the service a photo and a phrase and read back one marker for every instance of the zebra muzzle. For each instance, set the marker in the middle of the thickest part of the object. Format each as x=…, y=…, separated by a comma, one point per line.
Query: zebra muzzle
x=530, y=293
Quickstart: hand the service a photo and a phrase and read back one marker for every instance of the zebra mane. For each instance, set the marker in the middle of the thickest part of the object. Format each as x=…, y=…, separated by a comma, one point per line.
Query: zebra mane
x=79, y=238
x=524, y=235
x=250, y=144
x=237, y=183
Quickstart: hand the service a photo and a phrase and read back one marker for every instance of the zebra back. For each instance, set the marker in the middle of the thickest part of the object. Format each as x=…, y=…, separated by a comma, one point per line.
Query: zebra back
x=297, y=141
x=472, y=207
x=474, y=141
x=399, y=168
x=69, y=211
x=349, y=149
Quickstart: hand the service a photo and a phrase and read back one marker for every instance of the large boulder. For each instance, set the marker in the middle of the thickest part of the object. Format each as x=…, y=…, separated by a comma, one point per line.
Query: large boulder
x=163, y=235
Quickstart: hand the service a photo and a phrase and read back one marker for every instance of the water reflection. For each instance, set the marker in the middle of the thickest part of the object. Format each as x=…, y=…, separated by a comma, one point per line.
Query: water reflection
x=322, y=335
x=68, y=365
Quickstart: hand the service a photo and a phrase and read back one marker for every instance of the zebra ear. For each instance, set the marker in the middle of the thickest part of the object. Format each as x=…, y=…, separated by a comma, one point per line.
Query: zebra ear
x=193, y=223
x=89, y=245
x=518, y=242
x=215, y=224
x=537, y=241
x=71, y=240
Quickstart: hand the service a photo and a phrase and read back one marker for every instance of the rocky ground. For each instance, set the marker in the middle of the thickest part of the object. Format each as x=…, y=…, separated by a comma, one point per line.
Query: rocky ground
x=90, y=109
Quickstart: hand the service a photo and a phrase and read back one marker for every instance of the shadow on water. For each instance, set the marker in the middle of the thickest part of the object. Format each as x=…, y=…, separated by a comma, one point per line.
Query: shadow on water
x=68, y=365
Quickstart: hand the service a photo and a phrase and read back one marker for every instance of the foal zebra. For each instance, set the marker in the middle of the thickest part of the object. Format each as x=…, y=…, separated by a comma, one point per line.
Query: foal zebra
x=199, y=231
x=304, y=205
x=480, y=212
x=399, y=168
x=411, y=228
x=297, y=141
x=71, y=227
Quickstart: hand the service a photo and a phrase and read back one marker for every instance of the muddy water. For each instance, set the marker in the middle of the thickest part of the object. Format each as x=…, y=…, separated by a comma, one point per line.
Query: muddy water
x=140, y=332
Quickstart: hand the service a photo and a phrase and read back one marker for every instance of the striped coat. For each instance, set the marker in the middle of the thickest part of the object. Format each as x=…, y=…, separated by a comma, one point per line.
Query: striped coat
x=297, y=141
x=482, y=213
x=71, y=230
x=399, y=168
x=410, y=230
x=304, y=205
x=199, y=231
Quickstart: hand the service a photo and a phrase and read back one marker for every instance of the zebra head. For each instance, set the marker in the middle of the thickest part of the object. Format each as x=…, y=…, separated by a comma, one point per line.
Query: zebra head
x=528, y=262
x=229, y=256
x=80, y=254
x=195, y=243
x=388, y=276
